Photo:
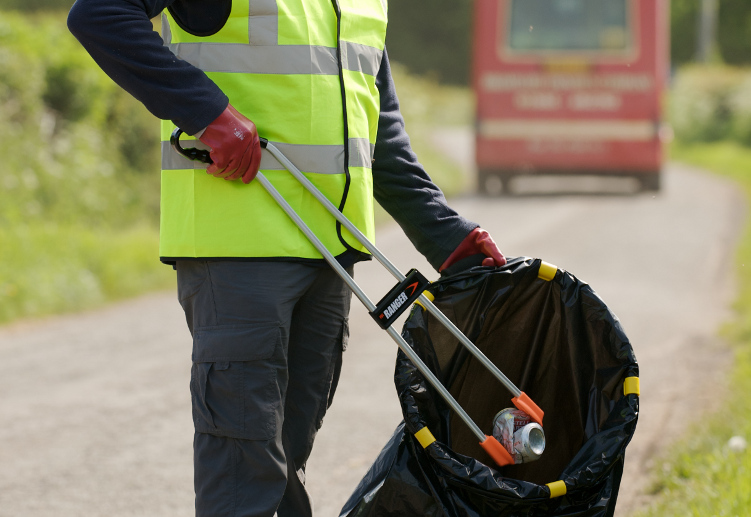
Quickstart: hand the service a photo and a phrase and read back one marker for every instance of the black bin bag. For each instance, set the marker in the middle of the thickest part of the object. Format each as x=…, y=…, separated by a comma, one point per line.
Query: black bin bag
x=556, y=340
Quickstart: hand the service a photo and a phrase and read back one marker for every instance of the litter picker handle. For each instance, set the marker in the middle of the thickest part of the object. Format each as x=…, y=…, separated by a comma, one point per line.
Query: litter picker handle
x=529, y=406
x=520, y=399
x=490, y=444
x=191, y=153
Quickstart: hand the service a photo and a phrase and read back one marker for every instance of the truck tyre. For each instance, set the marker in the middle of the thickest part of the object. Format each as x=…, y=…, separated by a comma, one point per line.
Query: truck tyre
x=495, y=184
x=649, y=182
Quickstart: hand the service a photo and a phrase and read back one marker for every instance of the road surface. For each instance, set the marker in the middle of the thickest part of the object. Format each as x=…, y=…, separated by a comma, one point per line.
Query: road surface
x=95, y=408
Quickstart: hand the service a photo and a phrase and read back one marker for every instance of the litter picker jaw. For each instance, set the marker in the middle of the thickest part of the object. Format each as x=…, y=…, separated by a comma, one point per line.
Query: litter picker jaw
x=526, y=404
x=409, y=289
x=497, y=451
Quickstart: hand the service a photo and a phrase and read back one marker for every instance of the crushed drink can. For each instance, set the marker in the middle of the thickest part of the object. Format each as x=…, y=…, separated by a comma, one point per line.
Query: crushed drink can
x=522, y=438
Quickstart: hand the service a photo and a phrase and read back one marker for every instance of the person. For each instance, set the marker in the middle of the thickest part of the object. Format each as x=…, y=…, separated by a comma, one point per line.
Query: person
x=268, y=316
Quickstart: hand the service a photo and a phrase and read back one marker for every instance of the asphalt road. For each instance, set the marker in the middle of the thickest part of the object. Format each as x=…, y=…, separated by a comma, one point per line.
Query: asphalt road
x=95, y=408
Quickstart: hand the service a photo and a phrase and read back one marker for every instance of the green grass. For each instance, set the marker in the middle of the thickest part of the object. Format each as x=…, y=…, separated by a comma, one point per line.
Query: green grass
x=49, y=269
x=701, y=475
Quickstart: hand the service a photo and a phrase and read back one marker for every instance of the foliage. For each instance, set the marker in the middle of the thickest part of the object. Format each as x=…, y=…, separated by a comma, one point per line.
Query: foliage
x=75, y=149
x=703, y=474
x=65, y=122
x=711, y=103
x=54, y=268
x=734, y=24
x=432, y=37
x=36, y=5
x=684, y=16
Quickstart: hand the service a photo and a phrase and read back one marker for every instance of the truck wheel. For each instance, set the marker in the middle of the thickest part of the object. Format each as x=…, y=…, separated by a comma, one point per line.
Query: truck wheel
x=649, y=182
x=492, y=185
x=495, y=184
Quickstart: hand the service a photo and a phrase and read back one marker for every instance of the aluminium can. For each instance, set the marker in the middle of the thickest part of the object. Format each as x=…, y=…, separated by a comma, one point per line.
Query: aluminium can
x=522, y=438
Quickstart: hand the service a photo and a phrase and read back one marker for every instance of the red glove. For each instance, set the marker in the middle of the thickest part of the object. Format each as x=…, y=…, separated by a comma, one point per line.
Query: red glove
x=235, y=146
x=477, y=242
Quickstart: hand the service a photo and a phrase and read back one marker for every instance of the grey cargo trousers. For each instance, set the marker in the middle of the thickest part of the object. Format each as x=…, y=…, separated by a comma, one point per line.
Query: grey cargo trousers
x=268, y=339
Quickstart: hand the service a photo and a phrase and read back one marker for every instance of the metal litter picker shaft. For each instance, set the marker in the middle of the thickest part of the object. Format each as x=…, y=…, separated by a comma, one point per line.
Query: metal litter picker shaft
x=394, y=303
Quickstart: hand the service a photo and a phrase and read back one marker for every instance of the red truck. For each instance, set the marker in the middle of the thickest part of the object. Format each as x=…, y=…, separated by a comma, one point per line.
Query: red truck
x=569, y=87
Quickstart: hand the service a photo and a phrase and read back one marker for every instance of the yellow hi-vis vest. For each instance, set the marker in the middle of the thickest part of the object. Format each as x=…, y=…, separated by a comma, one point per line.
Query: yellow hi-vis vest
x=304, y=72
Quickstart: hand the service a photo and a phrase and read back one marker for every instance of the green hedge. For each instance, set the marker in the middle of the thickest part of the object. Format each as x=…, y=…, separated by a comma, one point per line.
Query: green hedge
x=734, y=25
x=79, y=192
x=36, y=5
x=65, y=126
x=432, y=37
x=711, y=103
x=56, y=268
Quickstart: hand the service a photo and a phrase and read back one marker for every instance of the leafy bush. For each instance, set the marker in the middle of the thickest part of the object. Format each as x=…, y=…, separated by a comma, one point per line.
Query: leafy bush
x=740, y=106
x=72, y=138
x=734, y=24
x=36, y=5
x=711, y=103
x=684, y=16
x=80, y=183
x=432, y=37
x=53, y=268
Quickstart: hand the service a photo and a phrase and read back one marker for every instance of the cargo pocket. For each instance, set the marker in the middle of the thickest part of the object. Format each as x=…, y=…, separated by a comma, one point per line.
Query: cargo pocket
x=335, y=369
x=233, y=382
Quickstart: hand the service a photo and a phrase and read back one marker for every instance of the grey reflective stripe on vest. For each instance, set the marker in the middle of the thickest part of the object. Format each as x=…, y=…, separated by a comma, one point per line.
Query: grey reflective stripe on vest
x=361, y=58
x=279, y=59
x=321, y=159
x=264, y=55
x=361, y=153
x=166, y=30
x=248, y=59
x=263, y=26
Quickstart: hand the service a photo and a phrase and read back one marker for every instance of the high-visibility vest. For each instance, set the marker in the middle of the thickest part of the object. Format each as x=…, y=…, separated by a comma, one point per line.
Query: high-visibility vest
x=304, y=72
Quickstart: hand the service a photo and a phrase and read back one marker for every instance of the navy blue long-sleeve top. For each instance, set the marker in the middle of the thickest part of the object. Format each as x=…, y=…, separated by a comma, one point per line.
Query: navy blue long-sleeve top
x=119, y=35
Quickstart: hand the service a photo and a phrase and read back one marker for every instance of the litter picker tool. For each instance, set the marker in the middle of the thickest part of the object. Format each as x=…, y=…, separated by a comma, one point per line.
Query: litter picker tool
x=411, y=288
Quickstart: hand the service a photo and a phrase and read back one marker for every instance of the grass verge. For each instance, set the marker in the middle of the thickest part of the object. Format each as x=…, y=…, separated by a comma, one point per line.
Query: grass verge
x=704, y=475
x=49, y=269
x=79, y=188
